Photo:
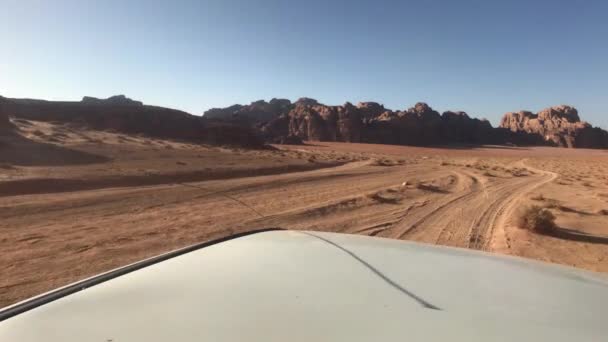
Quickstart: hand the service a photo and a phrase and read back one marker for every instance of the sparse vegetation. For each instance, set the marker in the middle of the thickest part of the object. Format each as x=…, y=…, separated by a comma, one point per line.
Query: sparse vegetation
x=429, y=187
x=552, y=203
x=539, y=197
x=536, y=219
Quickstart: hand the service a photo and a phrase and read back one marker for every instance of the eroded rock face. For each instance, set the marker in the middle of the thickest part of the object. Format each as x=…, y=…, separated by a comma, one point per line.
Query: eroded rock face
x=349, y=123
x=458, y=127
x=310, y=120
x=306, y=101
x=254, y=113
x=117, y=100
x=222, y=113
x=558, y=125
x=419, y=125
x=370, y=110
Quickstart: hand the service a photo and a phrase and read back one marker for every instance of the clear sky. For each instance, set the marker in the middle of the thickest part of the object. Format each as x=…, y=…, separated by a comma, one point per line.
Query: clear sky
x=484, y=57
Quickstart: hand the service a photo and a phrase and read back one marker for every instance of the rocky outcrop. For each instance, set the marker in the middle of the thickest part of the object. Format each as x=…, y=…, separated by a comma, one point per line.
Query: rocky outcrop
x=420, y=125
x=458, y=127
x=256, y=112
x=121, y=114
x=4, y=121
x=280, y=121
x=310, y=120
x=371, y=122
x=307, y=101
x=370, y=110
x=117, y=100
x=559, y=125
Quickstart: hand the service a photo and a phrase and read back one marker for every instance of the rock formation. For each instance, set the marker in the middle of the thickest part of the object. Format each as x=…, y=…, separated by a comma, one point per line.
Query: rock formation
x=280, y=121
x=559, y=125
x=370, y=110
x=256, y=112
x=117, y=100
x=310, y=120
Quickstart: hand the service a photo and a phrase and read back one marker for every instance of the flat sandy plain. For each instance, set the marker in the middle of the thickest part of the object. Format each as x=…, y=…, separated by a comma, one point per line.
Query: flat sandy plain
x=75, y=202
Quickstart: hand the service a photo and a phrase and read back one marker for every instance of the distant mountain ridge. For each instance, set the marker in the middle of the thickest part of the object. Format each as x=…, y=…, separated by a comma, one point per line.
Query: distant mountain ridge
x=122, y=114
x=306, y=119
x=281, y=121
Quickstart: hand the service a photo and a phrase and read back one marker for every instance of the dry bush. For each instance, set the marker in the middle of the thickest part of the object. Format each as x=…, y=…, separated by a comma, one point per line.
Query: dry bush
x=603, y=212
x=539, y=197
x=536, y=219
x=429, y=187
x=384, y=162
x=552, y=203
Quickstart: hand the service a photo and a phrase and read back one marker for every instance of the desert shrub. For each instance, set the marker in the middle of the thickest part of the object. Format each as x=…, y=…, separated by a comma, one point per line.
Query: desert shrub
x=539, y=197
x=429, y=187
x=551, y=203
x=603, y=212
x=536, y=219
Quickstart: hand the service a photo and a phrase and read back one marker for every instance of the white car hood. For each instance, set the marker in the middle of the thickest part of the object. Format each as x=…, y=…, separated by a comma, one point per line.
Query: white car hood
x=312, y=286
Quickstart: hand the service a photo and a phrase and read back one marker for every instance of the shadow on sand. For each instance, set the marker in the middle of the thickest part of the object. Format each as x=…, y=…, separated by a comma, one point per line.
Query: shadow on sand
x=20, y=151
x=576, y=235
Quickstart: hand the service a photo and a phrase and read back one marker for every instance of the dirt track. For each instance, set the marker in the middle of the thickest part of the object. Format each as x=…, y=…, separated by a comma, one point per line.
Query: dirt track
x=463, y=198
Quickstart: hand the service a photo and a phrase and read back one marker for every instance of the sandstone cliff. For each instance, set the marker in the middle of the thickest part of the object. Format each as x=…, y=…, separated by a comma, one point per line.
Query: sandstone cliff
x=559, y=125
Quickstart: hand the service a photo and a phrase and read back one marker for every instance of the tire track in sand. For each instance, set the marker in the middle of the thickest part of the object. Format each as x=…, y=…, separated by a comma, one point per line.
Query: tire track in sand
x=403, y=230
x=507, y=210
x=471, y=219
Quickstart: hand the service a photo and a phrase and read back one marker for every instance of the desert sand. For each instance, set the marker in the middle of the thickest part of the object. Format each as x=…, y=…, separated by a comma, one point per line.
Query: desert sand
x=74, y=203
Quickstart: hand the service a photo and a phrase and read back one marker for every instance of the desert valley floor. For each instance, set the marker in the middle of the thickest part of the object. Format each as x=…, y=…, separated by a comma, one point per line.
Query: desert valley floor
x=74, y=203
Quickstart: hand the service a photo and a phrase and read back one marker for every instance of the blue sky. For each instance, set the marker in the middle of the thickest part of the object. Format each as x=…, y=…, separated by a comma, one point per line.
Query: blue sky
x=483, y=57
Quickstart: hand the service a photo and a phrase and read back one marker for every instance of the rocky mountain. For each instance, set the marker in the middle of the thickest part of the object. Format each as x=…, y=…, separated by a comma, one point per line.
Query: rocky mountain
x=121, y=114
x=281, y=121
x=258, y=111
x=559, y=125
x=371, y=122
x=117, y=100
